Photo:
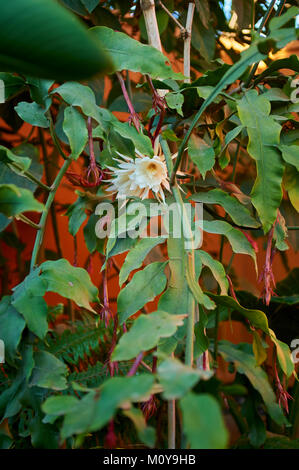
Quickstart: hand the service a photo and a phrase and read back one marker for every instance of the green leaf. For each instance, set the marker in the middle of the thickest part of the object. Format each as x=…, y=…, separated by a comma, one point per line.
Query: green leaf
x=264, y=136
x=256, y=317
x=217, y=270
x=32, y=113
x=45, y=40
x=146, y=434
x=246, y=364
x=284, y=356
x=48, y=372
x=145, y=334
x=290, y=154
x=90, y=4
x=259, y=350
x=291, y=184
x=177, y=379
x=144, y=287
x=175, y=101
x=14, y=200
x=97, y=408
x=203, y=423
x=77, y=214
x=28, y=300
x=12, y=84
x=70, y=282
x=8, y=157
x=236, y=238
x=74, y=126
x=76, y=94
x=129, y=54
x=237, y=211
x=202, y=154
x=59, y=405
x=12, y=325
x=136, y=256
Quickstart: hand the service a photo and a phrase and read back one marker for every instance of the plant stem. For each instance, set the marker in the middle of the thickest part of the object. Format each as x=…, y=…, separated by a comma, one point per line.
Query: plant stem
x=133, y=115
x=136, y=364
x=191, y=260
x=171, y=424
x=42, y=223
x=49, y=181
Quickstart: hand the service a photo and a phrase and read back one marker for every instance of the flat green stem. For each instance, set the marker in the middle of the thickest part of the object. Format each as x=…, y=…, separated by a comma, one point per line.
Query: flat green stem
x=189, y=356
x=42, y=223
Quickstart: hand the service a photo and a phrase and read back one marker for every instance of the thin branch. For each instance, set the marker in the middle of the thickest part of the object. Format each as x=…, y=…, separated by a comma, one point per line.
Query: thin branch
x=187, y=41
x=27, y=221
x=172, y=17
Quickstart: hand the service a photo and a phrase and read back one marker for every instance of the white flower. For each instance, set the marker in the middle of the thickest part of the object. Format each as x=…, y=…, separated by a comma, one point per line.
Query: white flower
x=140, y=176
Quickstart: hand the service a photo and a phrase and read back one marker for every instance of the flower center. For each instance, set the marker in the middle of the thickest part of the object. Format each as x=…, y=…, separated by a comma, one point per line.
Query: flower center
x=152, y=168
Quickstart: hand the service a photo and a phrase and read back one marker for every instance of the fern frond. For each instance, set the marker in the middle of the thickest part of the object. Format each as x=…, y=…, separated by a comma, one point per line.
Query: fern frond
x=87, y=339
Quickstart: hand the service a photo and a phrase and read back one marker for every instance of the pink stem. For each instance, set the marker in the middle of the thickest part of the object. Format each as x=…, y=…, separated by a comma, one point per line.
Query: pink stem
x=134, y=115
x=136, y=364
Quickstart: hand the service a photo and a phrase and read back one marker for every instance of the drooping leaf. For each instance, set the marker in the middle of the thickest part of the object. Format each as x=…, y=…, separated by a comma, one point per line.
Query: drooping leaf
x=48, y=372
x=238, y=212
x=18, y=163
x=202, y=154
x=246, y=364
x=14, y=201
x=129, y=54
x=177, y=379
x=145, y=334
x=201, y=417
x=74, y=127
x=144, y=287
x=45, y=40
x=291, y=184
x=70, y=282
x=264, y=137
x=12, y=325
x=256, y=317
x=136, y=256
x=236, y=238
x=96, y=409
x=28, y=300
x=147, y=434
x=175, y=101
x=77, y=214
x=32, y=113
x=217, y=270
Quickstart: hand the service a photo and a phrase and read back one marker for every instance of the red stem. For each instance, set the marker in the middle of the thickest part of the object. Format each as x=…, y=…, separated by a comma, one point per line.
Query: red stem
x=136, y=364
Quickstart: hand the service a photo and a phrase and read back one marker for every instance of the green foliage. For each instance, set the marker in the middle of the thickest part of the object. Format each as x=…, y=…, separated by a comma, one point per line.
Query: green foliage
x=47, y=42
x=145, y=334
x=201, y=416
x=144, y=287
x=74, y=378
x=129, y=54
